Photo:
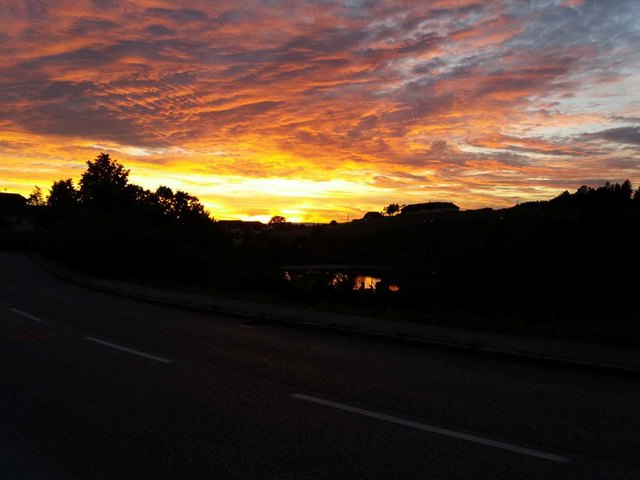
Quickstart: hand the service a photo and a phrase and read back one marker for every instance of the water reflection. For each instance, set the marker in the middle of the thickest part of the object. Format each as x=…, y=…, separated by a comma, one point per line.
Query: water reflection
x=365, y=282
x=338, y=280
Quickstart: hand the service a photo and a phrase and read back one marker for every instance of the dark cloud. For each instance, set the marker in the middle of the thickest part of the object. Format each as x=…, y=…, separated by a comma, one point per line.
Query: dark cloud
x=413, y=46
x=428, y=67
x=510, y=159
x=329, y=40
x=92, y=25
x=81, y=58
x=627, y=163
x=105, y=4
x=179, y=16
x=232, y=17
x=627, y=135
x=60, y=90
x=159, y=30
x=625, y=119
x=243, y=112
x=363, y=127
x=84, y=122
x=175, y=50
x=558, y=147
x=441, y=152
x=36, y=9
x=455, y=11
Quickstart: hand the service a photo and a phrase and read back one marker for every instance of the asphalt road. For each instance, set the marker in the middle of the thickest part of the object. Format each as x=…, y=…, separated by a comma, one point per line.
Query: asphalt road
x=97, y=386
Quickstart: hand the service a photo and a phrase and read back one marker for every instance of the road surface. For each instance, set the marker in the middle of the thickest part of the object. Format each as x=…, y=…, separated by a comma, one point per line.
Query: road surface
x=98, y=386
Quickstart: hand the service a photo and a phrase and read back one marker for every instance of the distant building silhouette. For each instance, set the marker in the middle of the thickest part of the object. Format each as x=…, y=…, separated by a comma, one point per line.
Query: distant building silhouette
x=372, y=215
x=11, y=202
x=429, y=207
x=15, y=214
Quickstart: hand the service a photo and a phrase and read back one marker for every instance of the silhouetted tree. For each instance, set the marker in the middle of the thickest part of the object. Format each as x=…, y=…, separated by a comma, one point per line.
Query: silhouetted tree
x=104, y=184
x=391, y=209
x=277, y=220
x=187, y=208
x=180, y=206
x=63, y=195
x=603, y=198
x=164, y=197
x=626, y=190
x=36, y=199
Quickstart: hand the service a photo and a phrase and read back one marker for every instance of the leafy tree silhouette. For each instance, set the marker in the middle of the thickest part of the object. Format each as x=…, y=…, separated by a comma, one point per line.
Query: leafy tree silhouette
x=187, y=208
x=180, y=206
x=392, y=209
x=608, y=196
x=277, y=220
x=63, y=195
x=36, y=199
x=103, y=185
x=626, y=190
x=164, y=197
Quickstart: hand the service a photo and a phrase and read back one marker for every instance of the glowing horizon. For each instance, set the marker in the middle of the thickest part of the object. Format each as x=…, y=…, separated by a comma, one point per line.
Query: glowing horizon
x=320, y=110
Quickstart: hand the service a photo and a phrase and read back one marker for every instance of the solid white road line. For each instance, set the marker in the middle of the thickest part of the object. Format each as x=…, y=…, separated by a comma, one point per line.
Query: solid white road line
x=438, y=430
x=129, y=350
x=24, y=314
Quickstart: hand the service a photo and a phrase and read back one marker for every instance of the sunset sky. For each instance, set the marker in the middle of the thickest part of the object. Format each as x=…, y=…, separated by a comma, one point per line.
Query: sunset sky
x=319, y=110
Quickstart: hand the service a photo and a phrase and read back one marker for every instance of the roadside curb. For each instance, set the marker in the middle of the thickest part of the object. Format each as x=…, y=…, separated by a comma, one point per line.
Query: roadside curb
x=461, y=347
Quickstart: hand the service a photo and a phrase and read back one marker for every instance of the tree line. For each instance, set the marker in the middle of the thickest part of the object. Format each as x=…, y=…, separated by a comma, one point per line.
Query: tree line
x=104, y=188
x=109, y=226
